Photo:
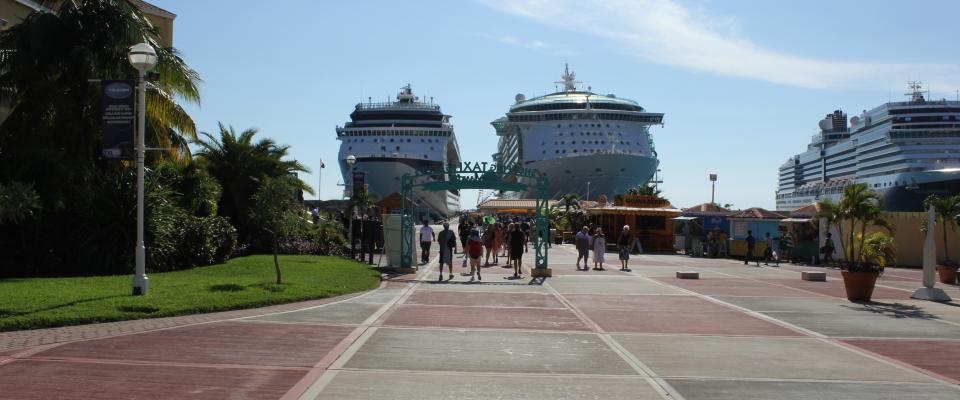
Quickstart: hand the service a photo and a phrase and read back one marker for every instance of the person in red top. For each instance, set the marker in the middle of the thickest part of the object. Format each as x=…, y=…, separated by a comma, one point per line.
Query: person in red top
x=475, y=252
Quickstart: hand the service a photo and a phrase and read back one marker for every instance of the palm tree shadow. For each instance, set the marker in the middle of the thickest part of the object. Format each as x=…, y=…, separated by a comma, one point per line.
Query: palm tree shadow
x=893, y=310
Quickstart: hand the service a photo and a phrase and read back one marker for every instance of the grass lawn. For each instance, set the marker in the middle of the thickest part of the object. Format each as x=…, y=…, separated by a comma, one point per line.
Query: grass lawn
x=244, y=282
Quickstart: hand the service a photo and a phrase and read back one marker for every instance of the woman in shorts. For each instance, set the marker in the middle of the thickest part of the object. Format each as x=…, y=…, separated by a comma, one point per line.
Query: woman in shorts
x=474, y=250
x=488, y=236
x=498, y=238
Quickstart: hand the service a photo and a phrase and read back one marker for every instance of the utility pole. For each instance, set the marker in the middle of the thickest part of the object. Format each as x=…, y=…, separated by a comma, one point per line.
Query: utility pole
x=713, y=184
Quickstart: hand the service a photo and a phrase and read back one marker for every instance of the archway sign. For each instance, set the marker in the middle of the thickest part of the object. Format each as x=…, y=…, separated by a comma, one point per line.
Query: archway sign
x=477, y=175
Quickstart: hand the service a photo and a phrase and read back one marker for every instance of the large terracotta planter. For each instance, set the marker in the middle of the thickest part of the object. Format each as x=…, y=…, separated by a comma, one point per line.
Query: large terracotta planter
x=859, y=285
x=948, y=273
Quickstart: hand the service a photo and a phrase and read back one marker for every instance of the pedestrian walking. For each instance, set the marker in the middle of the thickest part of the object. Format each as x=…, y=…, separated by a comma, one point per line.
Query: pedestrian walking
x=426, y=238
x=751, y=246
x=599, y=248
x=488, y=238
x=722, y=242
x=498, y=245
x=582, y=241
x=624, y=246
x=768, y=252
x=464, y=229
x=828, y=248
x=517, y=240
x=501, y=238
x=446, y=242
x=474, y=250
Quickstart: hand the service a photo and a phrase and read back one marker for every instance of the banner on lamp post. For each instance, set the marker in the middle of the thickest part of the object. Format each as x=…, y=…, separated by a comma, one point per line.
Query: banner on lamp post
x=118, y=118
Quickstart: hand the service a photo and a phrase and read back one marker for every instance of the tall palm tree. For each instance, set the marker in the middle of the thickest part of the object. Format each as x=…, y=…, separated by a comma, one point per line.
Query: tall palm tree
x=49, y=59
x=947, y=210
x=240, y=165
x=644, y=190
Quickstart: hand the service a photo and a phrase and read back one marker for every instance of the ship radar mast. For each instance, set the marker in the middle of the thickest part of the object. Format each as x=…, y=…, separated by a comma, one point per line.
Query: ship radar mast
x=916, y=94
x=406, y=95
x=569, y=79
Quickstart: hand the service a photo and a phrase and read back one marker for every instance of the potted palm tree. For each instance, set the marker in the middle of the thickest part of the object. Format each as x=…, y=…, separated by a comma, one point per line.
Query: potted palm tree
x=946, y=210
x=865, y=255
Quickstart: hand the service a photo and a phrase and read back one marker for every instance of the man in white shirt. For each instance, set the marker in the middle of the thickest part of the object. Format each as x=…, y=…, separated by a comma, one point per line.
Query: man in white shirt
x=426, y=238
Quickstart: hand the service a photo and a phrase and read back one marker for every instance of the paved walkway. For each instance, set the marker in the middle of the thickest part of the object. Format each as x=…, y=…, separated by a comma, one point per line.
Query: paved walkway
x=740, y=332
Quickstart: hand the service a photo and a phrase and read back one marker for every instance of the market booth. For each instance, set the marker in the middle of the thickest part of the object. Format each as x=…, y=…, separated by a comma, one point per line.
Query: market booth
x=756, y=219
x=521, y=207
x=802, y=226
x=650, y=219
x=692, y=225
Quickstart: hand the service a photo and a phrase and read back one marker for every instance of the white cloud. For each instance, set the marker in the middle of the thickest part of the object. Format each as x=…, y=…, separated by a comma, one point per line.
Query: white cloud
x=665, y=32
x=534, y=44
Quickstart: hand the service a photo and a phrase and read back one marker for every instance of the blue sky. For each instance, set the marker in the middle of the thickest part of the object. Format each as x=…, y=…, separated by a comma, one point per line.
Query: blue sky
x=743, y=84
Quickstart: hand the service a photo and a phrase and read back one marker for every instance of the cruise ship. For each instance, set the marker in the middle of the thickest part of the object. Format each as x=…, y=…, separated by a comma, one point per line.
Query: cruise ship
x=393, y=138
x=585, y=143
x=905, y=151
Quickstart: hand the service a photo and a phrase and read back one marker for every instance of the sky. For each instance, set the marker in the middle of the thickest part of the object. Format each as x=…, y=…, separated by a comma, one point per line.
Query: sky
x=742, y=83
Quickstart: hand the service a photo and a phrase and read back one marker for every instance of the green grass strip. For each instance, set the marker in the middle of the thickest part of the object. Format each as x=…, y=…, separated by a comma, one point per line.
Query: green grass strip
x=244, y=282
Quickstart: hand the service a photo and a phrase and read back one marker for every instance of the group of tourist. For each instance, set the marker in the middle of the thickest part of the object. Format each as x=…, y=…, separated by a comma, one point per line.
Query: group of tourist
x=477, y=240
x=586, y=240
x=779, y=248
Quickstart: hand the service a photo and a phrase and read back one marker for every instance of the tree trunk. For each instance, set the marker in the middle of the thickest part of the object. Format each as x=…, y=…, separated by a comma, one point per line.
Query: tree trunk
x=276, y=261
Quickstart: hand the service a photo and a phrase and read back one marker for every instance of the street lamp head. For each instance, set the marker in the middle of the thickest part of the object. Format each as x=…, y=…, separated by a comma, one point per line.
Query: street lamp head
x=142, y=56
x=351, y=159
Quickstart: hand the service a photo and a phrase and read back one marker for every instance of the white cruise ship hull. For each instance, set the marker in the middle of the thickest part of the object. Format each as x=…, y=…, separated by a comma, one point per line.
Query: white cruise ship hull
x=383, y=178
x=608, y=174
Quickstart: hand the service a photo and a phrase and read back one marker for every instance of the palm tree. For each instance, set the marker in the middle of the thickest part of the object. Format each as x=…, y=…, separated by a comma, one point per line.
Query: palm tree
x=568, y=201
x=49, y=59
x=240, y=165
x=947, y=210
x=644, y=190
x=861, y=206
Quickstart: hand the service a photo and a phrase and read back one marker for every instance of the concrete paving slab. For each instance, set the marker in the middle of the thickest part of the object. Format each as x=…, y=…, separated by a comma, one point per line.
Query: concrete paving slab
x=735, y=287
x=758, y=357
x=488, y=351
x=701, y=323
x=786, y=390
x=624, y=285
x=664, y=303
x=340, y=313
x=869, y=325
x=945, y=311
x=571, y=269
x=248, y=343
x=381, y=296
x=486, y=317
x=834, y=287
x=820, y=305
x=491, y=284
x=939, y=356
x=349, y=385
x=32, y=379
x=456, y=298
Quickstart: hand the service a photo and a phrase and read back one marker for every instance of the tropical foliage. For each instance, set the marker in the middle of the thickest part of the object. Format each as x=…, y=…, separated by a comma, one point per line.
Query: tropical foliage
x=858, y=210
x=644, y=190
x=947, y=210
x=240, y=165
x=67, y=210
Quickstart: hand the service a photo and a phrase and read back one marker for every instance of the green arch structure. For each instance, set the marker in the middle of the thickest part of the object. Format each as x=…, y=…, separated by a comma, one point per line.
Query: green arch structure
x=477, y=175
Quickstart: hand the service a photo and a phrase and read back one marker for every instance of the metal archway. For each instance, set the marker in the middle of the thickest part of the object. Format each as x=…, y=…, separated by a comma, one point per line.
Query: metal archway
x=477, y=175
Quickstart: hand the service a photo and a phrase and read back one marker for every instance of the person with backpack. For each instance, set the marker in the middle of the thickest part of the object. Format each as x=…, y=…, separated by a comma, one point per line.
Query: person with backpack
x=582, y=241
x=464, y=229
x=447, y=241
x=474, y=251
x=828, y=248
